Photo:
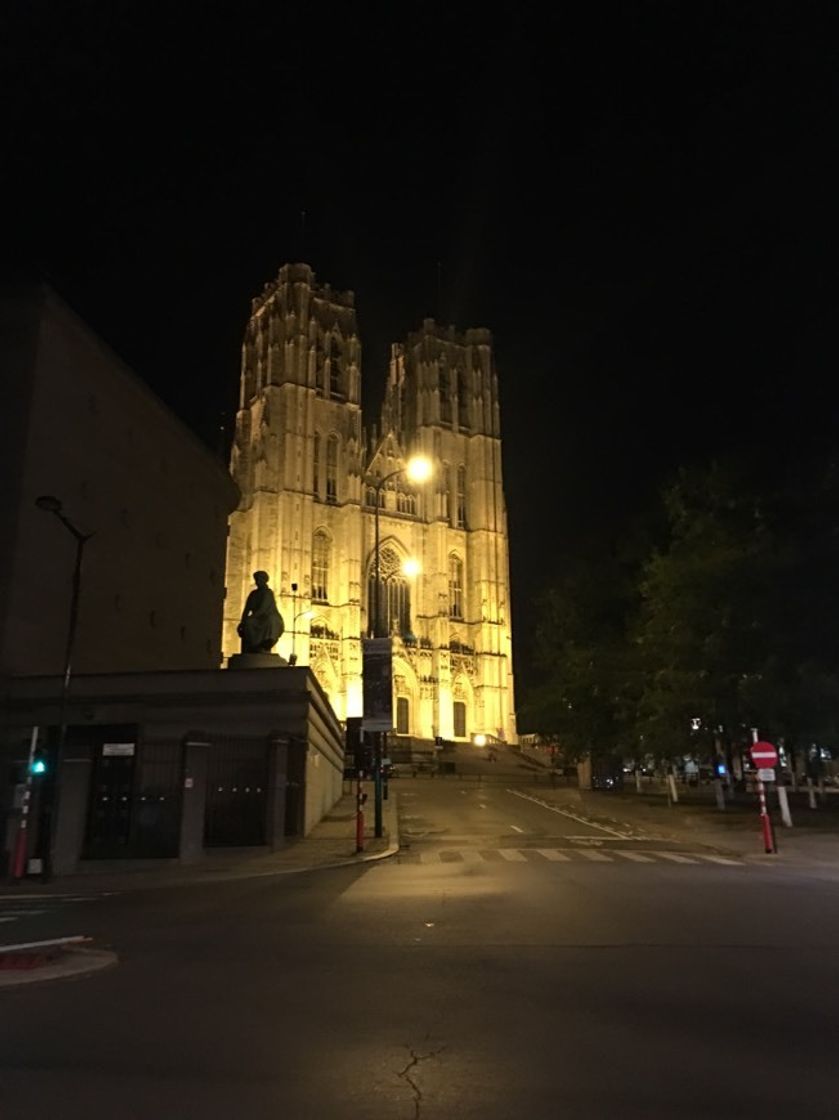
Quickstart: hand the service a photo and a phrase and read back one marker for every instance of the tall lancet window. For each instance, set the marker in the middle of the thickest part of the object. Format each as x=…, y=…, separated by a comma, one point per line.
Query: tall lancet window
x=460, y=498
x=332, y=469
x=462, y=399
x=394, y=598
x=320, y=567
x=445, y=386
x=335, y=366
x=455, y=586
x=316, y=490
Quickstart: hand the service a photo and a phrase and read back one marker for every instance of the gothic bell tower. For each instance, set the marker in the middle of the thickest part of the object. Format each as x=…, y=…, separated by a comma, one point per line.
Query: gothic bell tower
x=296, y=458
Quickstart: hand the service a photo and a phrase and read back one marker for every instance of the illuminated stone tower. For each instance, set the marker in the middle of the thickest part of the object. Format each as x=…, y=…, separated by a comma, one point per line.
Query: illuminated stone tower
x=307, y=477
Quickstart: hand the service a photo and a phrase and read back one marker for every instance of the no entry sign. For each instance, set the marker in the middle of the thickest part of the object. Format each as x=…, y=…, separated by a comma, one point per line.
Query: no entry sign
x=764, y=755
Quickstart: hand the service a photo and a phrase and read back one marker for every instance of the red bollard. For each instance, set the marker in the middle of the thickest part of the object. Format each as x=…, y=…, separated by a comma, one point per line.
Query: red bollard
x=359, y=819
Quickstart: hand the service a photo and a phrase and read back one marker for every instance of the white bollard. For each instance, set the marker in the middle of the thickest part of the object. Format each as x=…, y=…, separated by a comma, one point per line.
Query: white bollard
x=718, y=794
x=671, y=782
x=637, y=780
x=811, y=794
x=783, y=803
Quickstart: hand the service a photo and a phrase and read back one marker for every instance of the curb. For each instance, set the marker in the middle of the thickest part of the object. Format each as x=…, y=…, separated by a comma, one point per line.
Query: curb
x=230, y=877
x=75, y=962
x=391, y=850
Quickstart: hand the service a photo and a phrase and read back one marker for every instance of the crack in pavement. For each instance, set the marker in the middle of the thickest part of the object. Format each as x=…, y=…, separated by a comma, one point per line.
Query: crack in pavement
x=406, y=1074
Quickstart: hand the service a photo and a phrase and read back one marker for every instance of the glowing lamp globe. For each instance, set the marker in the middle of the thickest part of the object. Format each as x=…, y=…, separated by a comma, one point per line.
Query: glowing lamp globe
x=419, y=468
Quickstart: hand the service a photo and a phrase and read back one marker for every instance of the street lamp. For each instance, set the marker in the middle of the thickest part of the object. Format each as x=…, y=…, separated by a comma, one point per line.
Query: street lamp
x=418, y=469
x=302, y=614
x=50, y=504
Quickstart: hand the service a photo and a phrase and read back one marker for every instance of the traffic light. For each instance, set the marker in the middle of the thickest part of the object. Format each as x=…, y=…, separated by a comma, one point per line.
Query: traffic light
x=38, y=767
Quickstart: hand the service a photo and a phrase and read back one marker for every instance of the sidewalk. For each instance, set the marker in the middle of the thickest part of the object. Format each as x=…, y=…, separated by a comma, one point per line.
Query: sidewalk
x=814, y=838
x=331, y=843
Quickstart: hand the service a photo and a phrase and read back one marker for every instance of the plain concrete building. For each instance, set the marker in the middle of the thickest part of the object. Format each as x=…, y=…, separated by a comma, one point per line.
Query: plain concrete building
x=78, y=424
x=167, y=765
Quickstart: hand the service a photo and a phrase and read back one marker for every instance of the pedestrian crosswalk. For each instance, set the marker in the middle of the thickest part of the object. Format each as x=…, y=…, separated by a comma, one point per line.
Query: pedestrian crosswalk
x=568, y=855
x=21, y=908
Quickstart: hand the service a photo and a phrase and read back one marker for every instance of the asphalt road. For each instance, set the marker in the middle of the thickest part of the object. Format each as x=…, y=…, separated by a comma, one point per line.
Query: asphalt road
x=454, y=981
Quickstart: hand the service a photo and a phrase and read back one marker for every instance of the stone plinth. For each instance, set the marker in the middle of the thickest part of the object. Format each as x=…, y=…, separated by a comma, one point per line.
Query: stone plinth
x=256, y=661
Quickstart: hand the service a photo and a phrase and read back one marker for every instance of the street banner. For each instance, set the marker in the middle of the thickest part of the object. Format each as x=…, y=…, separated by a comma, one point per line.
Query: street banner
x=377, y=674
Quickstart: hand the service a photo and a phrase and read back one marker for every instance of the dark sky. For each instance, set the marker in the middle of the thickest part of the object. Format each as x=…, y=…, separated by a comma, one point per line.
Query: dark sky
x=638, y=199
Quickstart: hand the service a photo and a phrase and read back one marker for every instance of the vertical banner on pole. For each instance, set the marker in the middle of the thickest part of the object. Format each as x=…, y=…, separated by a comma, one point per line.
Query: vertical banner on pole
x=377, y=671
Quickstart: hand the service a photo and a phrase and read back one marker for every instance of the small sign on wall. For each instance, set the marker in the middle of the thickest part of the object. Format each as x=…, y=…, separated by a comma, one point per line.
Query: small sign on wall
x=118, y=750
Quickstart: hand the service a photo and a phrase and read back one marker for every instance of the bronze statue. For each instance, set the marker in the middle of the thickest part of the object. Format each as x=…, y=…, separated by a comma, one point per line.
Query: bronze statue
x=262, y=624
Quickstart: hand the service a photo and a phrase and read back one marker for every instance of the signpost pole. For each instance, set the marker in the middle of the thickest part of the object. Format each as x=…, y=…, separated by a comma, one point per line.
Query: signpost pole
x=22, y=846
x=764, y=756
x=359, y=814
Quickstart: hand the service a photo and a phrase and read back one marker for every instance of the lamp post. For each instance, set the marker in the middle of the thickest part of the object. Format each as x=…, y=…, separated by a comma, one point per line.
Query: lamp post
x=418, y=469
x=301, y=614
x=50, y=504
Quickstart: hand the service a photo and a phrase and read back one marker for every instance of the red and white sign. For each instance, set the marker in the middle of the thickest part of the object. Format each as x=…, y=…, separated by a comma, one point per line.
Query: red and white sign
x=764, y=755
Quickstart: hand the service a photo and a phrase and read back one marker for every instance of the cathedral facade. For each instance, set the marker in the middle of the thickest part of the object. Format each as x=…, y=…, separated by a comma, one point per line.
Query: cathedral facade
x=313, y=479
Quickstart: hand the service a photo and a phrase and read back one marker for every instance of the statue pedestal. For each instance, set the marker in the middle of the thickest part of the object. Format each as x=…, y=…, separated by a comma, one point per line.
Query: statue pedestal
x=256, y=661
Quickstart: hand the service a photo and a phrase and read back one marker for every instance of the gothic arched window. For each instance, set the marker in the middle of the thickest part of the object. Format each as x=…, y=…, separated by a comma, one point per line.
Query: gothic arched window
x=332, y=469
x=446, y=493
x=406, y=502
x=463, y=399
x=320, y=567
x=394, y=600
x=455, y=586
x=335, y=366
x=445, y=387
x=316, y=465
x=460, y=498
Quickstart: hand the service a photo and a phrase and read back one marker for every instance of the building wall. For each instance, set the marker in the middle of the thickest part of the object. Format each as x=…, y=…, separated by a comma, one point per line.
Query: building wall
x=299, y=389
x=126, y=470
x=191, y=714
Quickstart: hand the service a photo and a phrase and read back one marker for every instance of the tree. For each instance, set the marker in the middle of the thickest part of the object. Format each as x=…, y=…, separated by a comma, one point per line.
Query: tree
x=702, y=625
x=585, y=694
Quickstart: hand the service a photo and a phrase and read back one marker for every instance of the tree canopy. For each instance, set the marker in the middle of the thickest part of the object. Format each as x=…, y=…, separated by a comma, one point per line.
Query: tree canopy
x=727, y=622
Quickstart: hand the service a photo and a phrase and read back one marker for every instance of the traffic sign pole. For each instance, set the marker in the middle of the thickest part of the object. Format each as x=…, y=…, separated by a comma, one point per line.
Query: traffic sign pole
x=764, y=756
x=22, y=845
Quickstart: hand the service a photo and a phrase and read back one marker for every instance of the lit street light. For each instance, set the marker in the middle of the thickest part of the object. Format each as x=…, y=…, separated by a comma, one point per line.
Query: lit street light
x=301, y=614
x=50, y=504
x=418, y=469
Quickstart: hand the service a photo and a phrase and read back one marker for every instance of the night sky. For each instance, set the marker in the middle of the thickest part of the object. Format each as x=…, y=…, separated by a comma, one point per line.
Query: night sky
x=639, y=199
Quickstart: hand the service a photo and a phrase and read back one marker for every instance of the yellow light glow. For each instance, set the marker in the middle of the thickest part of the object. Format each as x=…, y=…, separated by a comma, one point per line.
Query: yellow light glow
x=480, y=740
x=419, y=468
x=411, y=567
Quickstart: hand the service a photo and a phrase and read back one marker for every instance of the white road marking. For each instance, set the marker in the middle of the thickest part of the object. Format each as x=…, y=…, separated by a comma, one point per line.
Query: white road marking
x=516, y=827
x=571, y=816
x=558, y=855
x=24, y=914
x=471, y=855
x=8, y=919
x=553, y=855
